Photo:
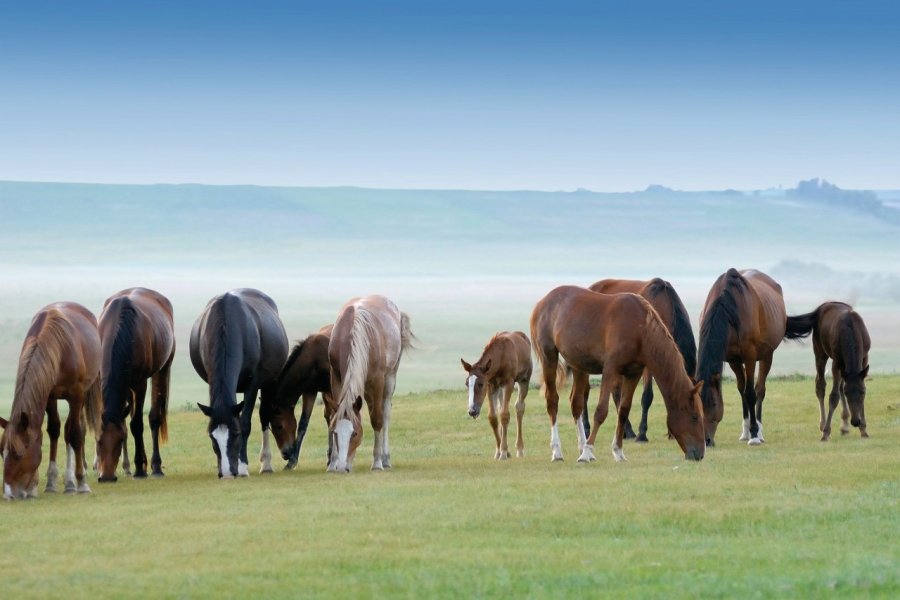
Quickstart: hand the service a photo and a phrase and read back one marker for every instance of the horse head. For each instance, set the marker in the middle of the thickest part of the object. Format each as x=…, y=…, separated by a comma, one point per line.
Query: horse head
x=712, y=406
x=21, y=457
x=855, y=392
x=345, y=432
x=477, y=384
x=687, y=425
x=283, y=425
x=225, y=432
x=113, y=437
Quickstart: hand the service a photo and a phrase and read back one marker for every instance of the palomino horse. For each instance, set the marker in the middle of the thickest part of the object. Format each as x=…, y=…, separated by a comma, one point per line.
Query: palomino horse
x=662, y=297
x=238, y=344
x=306, y=373
x=616, y=335
x=138, y=338
x=60, y=359
x=505, y=362
x=368, y=339
x=839, y=334
x=742, y=323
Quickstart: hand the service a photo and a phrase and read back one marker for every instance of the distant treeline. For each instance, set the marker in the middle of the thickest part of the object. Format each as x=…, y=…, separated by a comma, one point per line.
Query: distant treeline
x=823, y=192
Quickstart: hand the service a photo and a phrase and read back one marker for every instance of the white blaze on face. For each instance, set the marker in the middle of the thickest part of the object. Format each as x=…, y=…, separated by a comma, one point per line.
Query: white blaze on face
x=220, y=434
x=471, y=385
x=343, y=431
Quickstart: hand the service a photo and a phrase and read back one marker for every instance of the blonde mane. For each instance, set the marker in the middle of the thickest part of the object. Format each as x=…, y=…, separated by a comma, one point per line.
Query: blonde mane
x=361, y=332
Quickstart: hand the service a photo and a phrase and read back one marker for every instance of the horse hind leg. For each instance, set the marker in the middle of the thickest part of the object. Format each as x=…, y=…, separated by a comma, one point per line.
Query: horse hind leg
x=580, y=387
x=390, y=382
x=549, y=363
x=520, y=414
x=821, y=359
x=646, y=401
x=494, y=420
x=833, y=399
x=627, y=387
x=504, y=396
x=158, y=416
x=845, y=412
x=764, y=366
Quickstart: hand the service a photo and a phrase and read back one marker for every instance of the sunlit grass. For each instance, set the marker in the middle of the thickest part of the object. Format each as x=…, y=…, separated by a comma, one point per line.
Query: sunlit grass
x=794, y=517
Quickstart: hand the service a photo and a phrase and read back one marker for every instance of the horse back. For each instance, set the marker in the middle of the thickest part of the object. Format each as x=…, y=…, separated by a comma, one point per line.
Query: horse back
x=770, y=314
x=150, y=329
x=842, y=334
x=70, y=330
x=510, y=356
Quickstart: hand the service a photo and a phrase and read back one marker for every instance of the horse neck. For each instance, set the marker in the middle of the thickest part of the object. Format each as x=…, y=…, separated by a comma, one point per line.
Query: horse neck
x=850, y=341
x=719, y=318
x=681, y=329
x=227, y=360
x=355, y=371
x=119, y=363
x=38, y=370
x=665, y=362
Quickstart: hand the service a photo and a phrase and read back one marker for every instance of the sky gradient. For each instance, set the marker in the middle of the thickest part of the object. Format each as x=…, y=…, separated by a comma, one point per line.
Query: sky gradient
x=608, y=96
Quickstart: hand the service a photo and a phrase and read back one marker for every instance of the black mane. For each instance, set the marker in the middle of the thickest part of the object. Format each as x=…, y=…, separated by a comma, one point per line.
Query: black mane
x=721, y=316
x=118, y=378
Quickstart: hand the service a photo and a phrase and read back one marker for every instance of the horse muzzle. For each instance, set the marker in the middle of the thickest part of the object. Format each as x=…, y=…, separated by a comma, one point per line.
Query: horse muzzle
x=107, y=479
x=695, y=453
x=474, y=412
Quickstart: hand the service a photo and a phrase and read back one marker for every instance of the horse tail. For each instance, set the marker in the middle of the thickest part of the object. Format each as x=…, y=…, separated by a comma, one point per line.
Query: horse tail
x=92, y=409
x=682, y=332
x=406, y=334
x=163, y=406
x=800, y=326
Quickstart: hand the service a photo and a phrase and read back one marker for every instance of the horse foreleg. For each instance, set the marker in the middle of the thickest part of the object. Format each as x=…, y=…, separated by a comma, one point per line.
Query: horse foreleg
x=748, y=397
x=833, y=399
x=506, y=395
x=137, y=430
x=845, y=410
x=580, y=387
x=158, y=415
x=246, y=426
x=740, y=379
x=53, y=429
x=376, y=417
x=765, y=364
x=627, y=387
x=549, y=363
x=520, y=414
x=390, y=382
x=646, y=401
x=821, y=359
x=494, y=420
x=76, y=481
x=607, y=385
x=293, y=456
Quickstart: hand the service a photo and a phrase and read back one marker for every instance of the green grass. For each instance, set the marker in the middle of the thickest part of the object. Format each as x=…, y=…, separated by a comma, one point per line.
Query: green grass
x=794, y=517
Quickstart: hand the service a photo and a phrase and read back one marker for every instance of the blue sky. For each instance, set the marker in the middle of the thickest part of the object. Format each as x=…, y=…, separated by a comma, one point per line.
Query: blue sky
x=609, y=95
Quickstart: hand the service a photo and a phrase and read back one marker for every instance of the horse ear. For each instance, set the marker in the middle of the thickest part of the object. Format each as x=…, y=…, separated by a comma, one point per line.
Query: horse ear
x=3, y=422
x=466, y=366
x=237, y=408
x=206, y=410
x=864, y=373
x=487, y=365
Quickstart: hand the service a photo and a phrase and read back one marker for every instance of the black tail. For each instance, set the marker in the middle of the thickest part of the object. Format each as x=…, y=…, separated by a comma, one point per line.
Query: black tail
x=800, y=326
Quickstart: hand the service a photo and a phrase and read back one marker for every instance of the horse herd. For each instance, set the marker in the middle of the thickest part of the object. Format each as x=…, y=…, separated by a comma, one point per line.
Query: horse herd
x=625, y=330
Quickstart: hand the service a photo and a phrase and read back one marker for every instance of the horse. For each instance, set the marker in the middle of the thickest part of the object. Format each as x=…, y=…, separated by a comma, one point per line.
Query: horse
x=367, y=342
x=505, y=362
x=840, y=334
x=665, y=300
x=237, y=344
x=619, y=336
x=60, y=359
x=137, y=334
x=306, y=373
x=742, y=323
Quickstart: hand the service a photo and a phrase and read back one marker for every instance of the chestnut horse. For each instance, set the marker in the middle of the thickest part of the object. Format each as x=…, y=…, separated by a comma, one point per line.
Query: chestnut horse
x=368, y=339
x=238, y=344
x=60, y=359
x=138, y=339
x=742, y=323
x=616, y=335
x=840, y=334
x=306, y=373
x=505, y=362
x=662, y=297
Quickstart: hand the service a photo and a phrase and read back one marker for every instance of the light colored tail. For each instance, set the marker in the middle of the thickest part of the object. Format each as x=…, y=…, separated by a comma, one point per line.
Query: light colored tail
x=406, y=334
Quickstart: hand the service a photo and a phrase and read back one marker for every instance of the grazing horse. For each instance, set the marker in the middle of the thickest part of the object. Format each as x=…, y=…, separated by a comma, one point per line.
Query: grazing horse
x=840, y=334
x=60, y=359
x=368, y=339
x=742, y=323
x=138, y=339
x=306, y=373
x=505, y=362
x=616, y=335
x=238, y=344
x=662, y=297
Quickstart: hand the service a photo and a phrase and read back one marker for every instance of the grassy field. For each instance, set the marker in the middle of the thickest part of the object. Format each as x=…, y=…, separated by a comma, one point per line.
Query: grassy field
x=792, y=518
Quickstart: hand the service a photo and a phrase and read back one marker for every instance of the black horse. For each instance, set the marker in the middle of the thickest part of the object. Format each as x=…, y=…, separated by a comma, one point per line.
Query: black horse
x=840, y=334
x=238, y=344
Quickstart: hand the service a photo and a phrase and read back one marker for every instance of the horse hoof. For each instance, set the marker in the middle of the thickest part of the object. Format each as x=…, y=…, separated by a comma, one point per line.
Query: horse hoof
x=84, y=489
x=520, y=454
x=844, y=431
x=863, y=433
x=290, y=466
x=158, y=474
x=825, y=438
x=556, y=458
x=70, y=488
x=641, y=438
x=377, y=466
x=50, y=489
x=386, y=463
x=263, y=470
x=755, y=442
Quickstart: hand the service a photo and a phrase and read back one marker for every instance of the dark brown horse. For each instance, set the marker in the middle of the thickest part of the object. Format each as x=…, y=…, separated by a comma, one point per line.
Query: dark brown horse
x=505, y=362
x=662, y=297
x=138, y=338
x=616, y=335
x=238, y=344
x=60, y=359
x=368, y=339
x=305, y=374
x=742, y=323
x=840, y=334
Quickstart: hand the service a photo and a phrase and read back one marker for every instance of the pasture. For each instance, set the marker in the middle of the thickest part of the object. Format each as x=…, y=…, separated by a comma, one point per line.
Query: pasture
x=793, y=517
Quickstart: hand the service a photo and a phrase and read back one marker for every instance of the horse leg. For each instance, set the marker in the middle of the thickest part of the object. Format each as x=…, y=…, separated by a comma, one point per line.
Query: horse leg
x=53, y=429
x=607, y=384
x=821, y=359
x=549, y=363
x=309, y=401
x=765, y=364
x=617, y=396
x=585, y=418
x=376, y=418
x=580, y=385
x=158, y=404
x=250, y=395
x=749, y=403
x=520, y=413
x=741, y=380
x=833, y=398
x=494, y=420
x=265, y=451
x=646, y=401
x=76, y=481
x=390, y=382
x=328, y=400
x=505, y=394
x=626, y=387
x=845, y=411
x=137, y=430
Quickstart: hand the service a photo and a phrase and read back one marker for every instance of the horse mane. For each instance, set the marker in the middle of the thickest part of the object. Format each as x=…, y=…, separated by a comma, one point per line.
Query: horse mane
x=38, y=368
x=849, y=340
x=681, y=332
x=217, y=324
x=361, y=332
x=661, y=351
x=722, y=314
x=295, y=353
x=117, y=377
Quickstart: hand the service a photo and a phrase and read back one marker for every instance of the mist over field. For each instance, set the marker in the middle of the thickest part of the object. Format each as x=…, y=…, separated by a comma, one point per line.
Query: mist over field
x=463, y=264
